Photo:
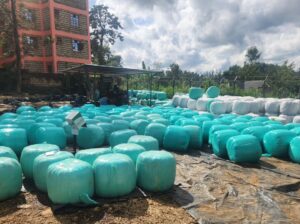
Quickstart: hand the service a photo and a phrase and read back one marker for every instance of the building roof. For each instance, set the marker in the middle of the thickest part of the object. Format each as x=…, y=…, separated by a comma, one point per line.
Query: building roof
x=110, y=70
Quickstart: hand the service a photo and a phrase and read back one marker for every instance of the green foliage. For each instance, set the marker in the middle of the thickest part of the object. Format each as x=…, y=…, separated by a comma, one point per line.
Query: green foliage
x=252, y=54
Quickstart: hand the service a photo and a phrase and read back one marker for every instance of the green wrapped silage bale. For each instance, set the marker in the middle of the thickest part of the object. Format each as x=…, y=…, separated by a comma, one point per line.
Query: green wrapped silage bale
x=115, y=175
x=120, y=137
x=292, y=125
x=147, y=142
x=196, y=93
x=14, y=138
x=260, y=119
x=8, y=121
x=175, y=118
x=162, y=121
x=254, y=123
x=41, y=164
x=271, y=122
x=103, y=119
x=219, y=140
x=24, y=108
x=217, y=127
x=68, y=131
x=294, y=150
x=157, y=131
x=185, y=122
x=244, y=149
x=201, y=119
x=176, y=139
x=90, y=155
x=108, y=129
x=44, y=108
x=156, y=171
x=56, y=121
x=189, y=114
x=225, y=120
x=206, y=128
x=240, y=120
x=296, y=131
x=277, y=142
x=25, y=124
x=139, y=126
x=257, y=131
x=195, y=133
x=30, y=152
x=10, y=178
x=52, y=135
x=91, y=121
x=132, y=150
x=31, y=134
x=91, y=136
x=70, y=181
x=276, y=127
x=240, y=126
x=7, y=152
x=161, y=96
x=8, y=116
x=120, y=125
x=2, y=126
x=213, y=92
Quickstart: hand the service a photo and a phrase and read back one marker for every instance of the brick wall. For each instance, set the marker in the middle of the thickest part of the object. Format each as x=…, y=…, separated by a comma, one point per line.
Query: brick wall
x=64, y=48
x=61, y=65
x=46, y=19
x=34, y=49
x=80, y=4
x=34, y=66
x=35, y=23
x=63, y=22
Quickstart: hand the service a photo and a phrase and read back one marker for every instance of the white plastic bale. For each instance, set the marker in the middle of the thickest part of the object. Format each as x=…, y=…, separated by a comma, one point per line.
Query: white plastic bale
x=229, y=105
x=183, y=101
x=175, y=100
x=254, y=107
x=272, y=107
x=218, y=108
x=286, y=119
x=241, y=107
x=289, y=107
x=296, y=119
x=192, y=104
x=201, y=104
x=280, y=119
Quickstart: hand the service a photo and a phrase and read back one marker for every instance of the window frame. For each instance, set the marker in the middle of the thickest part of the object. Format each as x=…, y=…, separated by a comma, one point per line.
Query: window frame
x=74, y=20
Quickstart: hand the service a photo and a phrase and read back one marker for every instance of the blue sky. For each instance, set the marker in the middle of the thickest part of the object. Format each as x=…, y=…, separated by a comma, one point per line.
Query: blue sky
x=203, y=35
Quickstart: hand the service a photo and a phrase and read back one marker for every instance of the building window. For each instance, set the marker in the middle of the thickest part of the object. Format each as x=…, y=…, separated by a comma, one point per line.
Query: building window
x=58, y=41
x=77, y=45
x=74, y=20
x=56, y=13
x=31, y=41
x=28, y=15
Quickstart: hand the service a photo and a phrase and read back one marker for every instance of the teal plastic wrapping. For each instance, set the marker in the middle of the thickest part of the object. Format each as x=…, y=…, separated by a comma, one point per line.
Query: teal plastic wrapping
x=7, y=152
x=244, y=149
x=206, y=128
x=258, y=131
x=139, y=126
x=8, y=126
x=185, y=122
x=24, y=108
x=292, y=126
x=44, y=108
x=108, y=129
x=70, y=181
x=8, y=115
x=157, y=131
x=176, y=139
x=41, y=164
x=10, y=178
x=31, y=133
x=219, y=140
x=52, y=135
x=217, y=127
x=195, y=133
x=147, y=142
x=91, y=136
x=260, y=119
x=115, y=175
x=156, y=171
x=277, y=142
x=14, y=138
x=240, y=126
x=213, y=92
x=161, y=96
x=254, y=123
x=90, y=155
x=68, y=131
x=296, y=131
x=276, y=127
x=201, y=119
x=56, y=121
x=196, y=92
x=30, y=152
x=130, y=149
x=26, y=124
x=120, y=125
x=120, y=137
x=103, y=119
x=294, y=150
x=189, y=113
x=161, y=121
x=271, y=122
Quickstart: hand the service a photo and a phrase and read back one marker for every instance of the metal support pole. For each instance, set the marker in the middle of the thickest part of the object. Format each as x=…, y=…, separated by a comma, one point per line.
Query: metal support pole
x=127, y=86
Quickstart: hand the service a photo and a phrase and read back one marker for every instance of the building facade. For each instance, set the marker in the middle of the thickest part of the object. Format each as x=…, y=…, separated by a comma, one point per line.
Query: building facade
x=53, y=35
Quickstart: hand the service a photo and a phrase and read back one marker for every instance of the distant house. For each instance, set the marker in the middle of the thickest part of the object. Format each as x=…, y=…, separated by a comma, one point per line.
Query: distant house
x=256, y=84
x=54, y=35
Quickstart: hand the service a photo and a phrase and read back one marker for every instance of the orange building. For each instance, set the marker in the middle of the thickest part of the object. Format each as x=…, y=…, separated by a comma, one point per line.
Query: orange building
x=53, y=35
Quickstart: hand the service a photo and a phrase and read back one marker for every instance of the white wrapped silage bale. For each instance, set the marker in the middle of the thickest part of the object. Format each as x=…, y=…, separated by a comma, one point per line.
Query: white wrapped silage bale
x=218, y=107
x=201, y=104
x=254, y=107
x=296, y=119
x=241, y=107
x=272, y=107
x=175, y=100
x=192, y=104
x=280, y=119
x=289, y=107
x=229, y=105
x=286, y=119
x=183, y=101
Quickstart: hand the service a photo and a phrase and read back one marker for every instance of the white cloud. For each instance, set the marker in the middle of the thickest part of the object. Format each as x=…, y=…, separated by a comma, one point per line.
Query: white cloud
x=204, y=35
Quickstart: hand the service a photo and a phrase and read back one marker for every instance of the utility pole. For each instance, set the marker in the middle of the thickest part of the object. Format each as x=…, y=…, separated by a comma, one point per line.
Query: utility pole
x=17, y=45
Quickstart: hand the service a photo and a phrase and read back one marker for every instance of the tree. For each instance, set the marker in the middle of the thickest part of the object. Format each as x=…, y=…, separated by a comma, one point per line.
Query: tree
x=252, y=54
x=105, y=28
x=115, y=60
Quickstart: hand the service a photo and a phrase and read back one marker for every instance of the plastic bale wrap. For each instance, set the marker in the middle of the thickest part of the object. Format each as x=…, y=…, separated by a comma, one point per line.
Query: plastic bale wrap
x=213, y=92
x=296, y=131
x=175, y=100
x=296, y=119
x=91, y=136
x=254, y=123
x=10, y=178
x=24, y=108
x=120, y=137
x=195, y=93
x=176, y=139
x=8, y=115
x=157, y=131
x=189, y=114
x=56, y=121
x=25, y=124
x=219, y=140
x=294, y=150
x=215, y=128
x=52, y=135
x=292, y=126
x=70, y=181
x=218, y=108
x=31, y=133
x=289, y=107
x=115, y=175
x=195, y=133
x=192, y=104
x=108, y=129
x=161, y=121
x=139, y=126
x=7, y=152
x=276, y=127
x=41, y=164
x=120, y=125
x=244, y=149
x=130, y=149
x=161, y=96
x=90, y=155
x=183, y=101
x=257, y=131
x=103, y=119
x=272, y=107
x=241, y=107
x=14, y=138
x=277, y=142
x=30, y=152
x=206, y=128
x=156, y=171
x=186, y=121
x=201, y=119
x=147, y=142
x=201, y=104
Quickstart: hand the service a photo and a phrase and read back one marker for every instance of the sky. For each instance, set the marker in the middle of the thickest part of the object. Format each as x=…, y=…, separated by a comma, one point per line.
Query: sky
x=206, y=35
